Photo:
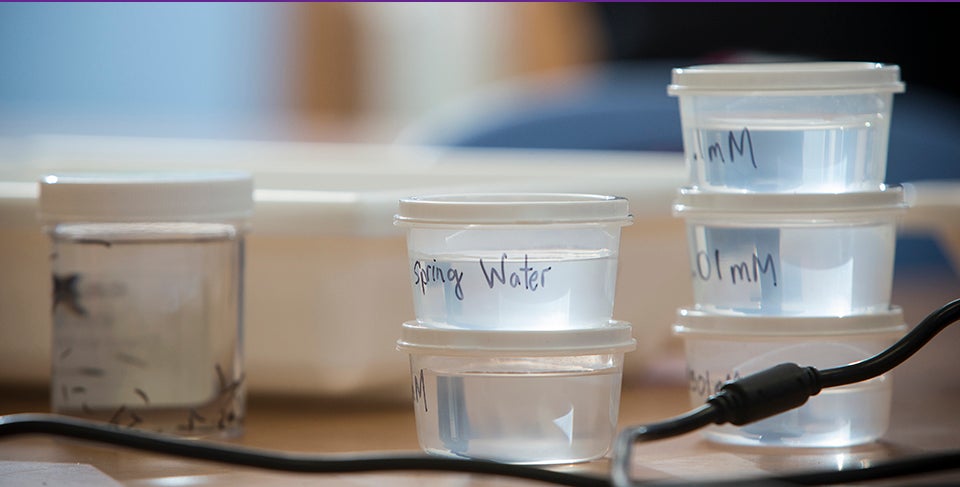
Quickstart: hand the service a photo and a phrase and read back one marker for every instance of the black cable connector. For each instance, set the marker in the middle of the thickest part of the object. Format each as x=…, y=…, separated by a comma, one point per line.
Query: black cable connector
x=765, y=394
x=745, y=400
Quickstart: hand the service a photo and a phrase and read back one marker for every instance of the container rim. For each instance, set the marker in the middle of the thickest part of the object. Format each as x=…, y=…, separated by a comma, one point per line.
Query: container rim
x=612, y=337
x=788, y=78
x=145, y=196
x=694, y=323
x=513, y=209
x=695, y=202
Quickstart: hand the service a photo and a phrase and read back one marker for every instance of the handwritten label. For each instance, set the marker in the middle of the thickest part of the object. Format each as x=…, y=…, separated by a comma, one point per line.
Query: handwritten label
x=703, y=385
x=527, y=276
x=424, y=274
x=419, y=390
x=724, y=147
x=708, y=267
x=499, y=273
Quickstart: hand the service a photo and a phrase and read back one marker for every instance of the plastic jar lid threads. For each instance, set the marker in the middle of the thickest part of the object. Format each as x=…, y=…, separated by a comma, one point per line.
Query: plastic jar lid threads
x=143, y=197
x=786, y=78
x=513, y=209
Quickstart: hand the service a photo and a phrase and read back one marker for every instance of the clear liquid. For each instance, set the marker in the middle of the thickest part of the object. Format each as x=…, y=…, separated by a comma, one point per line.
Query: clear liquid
x=774, y=156
x=146, y=326
x=797, y=271
x=837, y=417
x=536, y=418
x=560, y=289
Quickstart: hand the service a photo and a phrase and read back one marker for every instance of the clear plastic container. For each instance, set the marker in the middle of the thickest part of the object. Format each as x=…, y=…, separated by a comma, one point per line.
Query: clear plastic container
x=786, y=127
x=721, y=348
x=525, y=397
x=147, y=298
x=513, y=261
x=791, y=255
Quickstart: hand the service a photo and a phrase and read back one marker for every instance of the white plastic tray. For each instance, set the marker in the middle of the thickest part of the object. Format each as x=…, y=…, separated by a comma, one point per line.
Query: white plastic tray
x=326, y=284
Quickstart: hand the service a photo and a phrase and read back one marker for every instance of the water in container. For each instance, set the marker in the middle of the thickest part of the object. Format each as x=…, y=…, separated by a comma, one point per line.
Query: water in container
x=804, y=127
x=815, y=270
x=841, y=416
x=513, y=261
x=520, y=417
x=144, y=322
x=516, y=396
x=147, y=299
x=786, y=155
x=515, y=289
x=720, y=348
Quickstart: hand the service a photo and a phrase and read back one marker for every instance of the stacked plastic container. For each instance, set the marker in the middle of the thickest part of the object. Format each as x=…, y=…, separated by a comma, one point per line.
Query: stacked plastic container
x=514, y=354
x=791, y=235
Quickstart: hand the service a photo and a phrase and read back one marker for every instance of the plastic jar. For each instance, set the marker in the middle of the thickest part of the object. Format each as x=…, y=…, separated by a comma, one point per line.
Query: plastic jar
x=148, y=297
x=513, y=261
x=791, y=254
x=819, y=127
x=721, y=348
x=526, y=397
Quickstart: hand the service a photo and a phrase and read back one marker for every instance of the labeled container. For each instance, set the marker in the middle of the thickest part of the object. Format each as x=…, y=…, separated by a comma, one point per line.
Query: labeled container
x=820, y=127
x=147, y=298
x=791, y=254
x=525, y=397
x=722, y=348
x=520, y=261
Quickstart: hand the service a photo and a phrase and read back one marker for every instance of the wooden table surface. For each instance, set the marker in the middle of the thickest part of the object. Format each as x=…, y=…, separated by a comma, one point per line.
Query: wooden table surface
x=924, y=419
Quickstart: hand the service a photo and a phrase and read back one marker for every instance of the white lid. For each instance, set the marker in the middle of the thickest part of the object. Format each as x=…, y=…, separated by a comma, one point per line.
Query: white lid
x=614, y=337
x=145, y=197
x=513, y=209
x=818, y=78
x=807, y=206
x=693, y=322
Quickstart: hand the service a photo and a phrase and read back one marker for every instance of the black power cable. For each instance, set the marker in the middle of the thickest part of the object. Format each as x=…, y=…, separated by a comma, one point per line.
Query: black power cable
x=739, y=402
x=778, y=389
x=14, y=424
x=885, y=361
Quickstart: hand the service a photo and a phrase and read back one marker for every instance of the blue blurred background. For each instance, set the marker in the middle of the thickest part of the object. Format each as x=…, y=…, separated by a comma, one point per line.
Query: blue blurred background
x=112, y=68
x=544, y=75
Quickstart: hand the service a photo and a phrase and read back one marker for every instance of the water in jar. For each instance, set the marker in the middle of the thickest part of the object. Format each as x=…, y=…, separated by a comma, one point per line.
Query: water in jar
x=822, y=270
x=837, y=417
x=146, y=326
x=532, y=418
x=781, y=156
x=515, y=289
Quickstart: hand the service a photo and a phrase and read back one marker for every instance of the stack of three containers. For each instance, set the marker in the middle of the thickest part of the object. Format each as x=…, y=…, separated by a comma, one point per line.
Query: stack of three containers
x=791, y=235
